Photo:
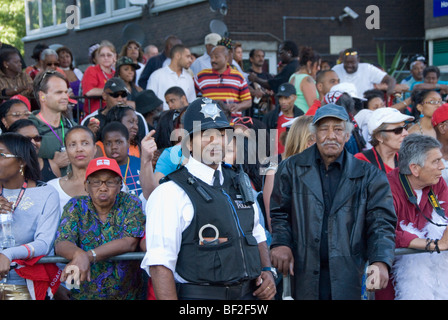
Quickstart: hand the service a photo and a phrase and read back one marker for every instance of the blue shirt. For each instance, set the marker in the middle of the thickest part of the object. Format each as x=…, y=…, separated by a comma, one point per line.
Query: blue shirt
x=131, y=175
x=170, y=160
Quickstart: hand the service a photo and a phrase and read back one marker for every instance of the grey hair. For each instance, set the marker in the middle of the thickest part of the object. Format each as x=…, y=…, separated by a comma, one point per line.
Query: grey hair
x=349, y=126
x=48, y=52
x=414, y=150
x=378, y=132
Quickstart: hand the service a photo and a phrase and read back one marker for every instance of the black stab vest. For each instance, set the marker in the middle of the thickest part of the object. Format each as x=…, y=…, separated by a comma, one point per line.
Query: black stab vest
x=236, y=257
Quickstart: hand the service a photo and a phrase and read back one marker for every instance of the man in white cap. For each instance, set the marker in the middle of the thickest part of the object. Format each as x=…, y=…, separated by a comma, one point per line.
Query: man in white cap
x=203, y=62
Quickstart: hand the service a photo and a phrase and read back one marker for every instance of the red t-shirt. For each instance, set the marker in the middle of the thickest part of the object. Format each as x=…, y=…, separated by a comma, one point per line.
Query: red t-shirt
x=94, y=77
x=281, y=120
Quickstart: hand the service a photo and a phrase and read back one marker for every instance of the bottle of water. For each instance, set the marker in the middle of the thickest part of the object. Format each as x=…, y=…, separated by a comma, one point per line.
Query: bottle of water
x=6, y=237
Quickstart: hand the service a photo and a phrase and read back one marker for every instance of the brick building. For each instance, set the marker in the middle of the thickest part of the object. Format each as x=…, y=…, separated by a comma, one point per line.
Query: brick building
x=255, y=23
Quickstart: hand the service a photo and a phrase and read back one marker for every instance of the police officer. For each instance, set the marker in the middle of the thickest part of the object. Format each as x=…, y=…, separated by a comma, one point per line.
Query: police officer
x=204, y=239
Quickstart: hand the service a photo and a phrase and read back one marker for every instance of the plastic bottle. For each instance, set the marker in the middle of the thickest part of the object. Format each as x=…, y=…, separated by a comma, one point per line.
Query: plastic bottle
x=6, y=237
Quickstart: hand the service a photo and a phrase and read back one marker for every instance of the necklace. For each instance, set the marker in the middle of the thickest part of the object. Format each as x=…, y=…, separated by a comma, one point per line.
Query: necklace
x=125, y=176
x=420, y=126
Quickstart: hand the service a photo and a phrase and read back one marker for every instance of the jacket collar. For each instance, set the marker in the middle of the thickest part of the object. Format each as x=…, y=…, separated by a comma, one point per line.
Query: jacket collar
x=350, y=170
x=311, y=178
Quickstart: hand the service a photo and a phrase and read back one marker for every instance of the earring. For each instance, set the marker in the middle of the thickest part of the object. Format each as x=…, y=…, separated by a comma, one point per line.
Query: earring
x=422, y=115
x=21, y=170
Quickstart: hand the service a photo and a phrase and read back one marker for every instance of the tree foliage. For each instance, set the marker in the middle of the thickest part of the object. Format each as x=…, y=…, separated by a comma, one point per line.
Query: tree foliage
x=12, y=23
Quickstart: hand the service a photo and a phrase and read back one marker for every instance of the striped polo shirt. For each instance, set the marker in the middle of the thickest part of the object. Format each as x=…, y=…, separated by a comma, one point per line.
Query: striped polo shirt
x=230, y=86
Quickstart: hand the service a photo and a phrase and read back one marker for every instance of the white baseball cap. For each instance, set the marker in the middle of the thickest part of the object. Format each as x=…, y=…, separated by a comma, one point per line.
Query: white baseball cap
x=385, y=115
x=212, y=38
x=348, y=88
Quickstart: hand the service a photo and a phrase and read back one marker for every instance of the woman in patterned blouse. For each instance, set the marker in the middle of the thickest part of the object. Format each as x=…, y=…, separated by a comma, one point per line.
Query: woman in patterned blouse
x=96, y=227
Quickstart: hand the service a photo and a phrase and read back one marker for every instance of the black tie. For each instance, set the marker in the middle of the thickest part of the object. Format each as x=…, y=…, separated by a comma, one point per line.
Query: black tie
x=216, y=181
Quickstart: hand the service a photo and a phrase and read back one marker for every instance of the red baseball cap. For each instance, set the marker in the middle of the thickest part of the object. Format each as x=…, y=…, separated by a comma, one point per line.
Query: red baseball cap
x=24, y=99
x=103, y=163
x=440, y=115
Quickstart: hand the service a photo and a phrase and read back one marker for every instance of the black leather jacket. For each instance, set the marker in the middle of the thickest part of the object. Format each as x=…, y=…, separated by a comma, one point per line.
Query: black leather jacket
x=361, y=223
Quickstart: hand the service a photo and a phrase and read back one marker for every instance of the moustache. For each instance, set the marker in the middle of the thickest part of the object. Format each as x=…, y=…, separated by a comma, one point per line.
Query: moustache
x=331, y=142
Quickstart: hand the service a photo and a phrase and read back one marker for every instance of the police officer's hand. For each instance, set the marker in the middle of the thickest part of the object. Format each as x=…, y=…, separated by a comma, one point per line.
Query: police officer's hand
x=283, y=260
x=266, y=286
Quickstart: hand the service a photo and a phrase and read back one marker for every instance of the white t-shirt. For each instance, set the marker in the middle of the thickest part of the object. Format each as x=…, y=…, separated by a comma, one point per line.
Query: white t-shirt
x=164, y=78
x=364, y=78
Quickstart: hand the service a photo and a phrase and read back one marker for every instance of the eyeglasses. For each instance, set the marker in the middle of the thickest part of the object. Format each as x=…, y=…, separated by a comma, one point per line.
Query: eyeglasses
x=433, y=102
x=36, y=138
x=351, y=53
x=8, y=155
x=115, y=95
x=106, y=55
x=397, y=131
x=242, y=120
x=19, y=114
x=96, y=183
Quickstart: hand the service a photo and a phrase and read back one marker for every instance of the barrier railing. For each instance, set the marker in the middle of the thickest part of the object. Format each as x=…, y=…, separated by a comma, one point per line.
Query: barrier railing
x=140, y=255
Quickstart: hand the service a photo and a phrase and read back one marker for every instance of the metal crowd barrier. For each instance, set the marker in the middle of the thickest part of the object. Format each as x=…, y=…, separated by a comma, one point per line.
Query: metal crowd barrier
x=140, y=255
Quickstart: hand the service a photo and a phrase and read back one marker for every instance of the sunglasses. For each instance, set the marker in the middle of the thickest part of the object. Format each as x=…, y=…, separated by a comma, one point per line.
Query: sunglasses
x=351, y=53
x=242, y=120
x=56, y=64
x=397, y=131
x=117, y=94
x=36, y=138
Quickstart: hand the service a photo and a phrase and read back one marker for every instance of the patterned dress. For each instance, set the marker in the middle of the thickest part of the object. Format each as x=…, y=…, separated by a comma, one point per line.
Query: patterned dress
x=81, y=225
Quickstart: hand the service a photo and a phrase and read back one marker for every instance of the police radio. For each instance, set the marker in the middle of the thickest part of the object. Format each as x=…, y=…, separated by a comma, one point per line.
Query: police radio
x=245, y=187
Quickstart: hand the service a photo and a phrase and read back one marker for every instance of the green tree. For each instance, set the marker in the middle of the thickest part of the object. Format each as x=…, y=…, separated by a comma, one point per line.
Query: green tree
x=12, y=23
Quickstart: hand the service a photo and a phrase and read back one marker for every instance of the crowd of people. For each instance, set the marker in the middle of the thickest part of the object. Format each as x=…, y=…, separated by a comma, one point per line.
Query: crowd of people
x=225, y=177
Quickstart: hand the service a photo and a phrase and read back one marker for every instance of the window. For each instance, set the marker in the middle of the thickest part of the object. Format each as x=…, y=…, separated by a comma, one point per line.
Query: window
x=45, y=18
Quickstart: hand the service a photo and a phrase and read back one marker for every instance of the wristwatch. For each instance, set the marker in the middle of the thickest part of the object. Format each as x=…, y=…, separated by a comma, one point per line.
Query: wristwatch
x=272, y=270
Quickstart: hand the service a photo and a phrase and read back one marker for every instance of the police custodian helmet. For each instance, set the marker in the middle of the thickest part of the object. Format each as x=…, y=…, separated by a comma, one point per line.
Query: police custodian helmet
x=203, y=114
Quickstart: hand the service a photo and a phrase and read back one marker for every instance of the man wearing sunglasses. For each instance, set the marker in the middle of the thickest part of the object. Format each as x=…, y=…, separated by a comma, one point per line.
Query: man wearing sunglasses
x=114, y=94
x=364, y=76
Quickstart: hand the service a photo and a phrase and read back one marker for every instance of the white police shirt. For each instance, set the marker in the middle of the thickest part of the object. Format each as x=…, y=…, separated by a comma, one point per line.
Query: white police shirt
x=169, y=212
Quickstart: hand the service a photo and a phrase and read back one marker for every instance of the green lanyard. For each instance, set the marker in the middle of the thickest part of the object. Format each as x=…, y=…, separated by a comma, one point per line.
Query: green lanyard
x=51, y=128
